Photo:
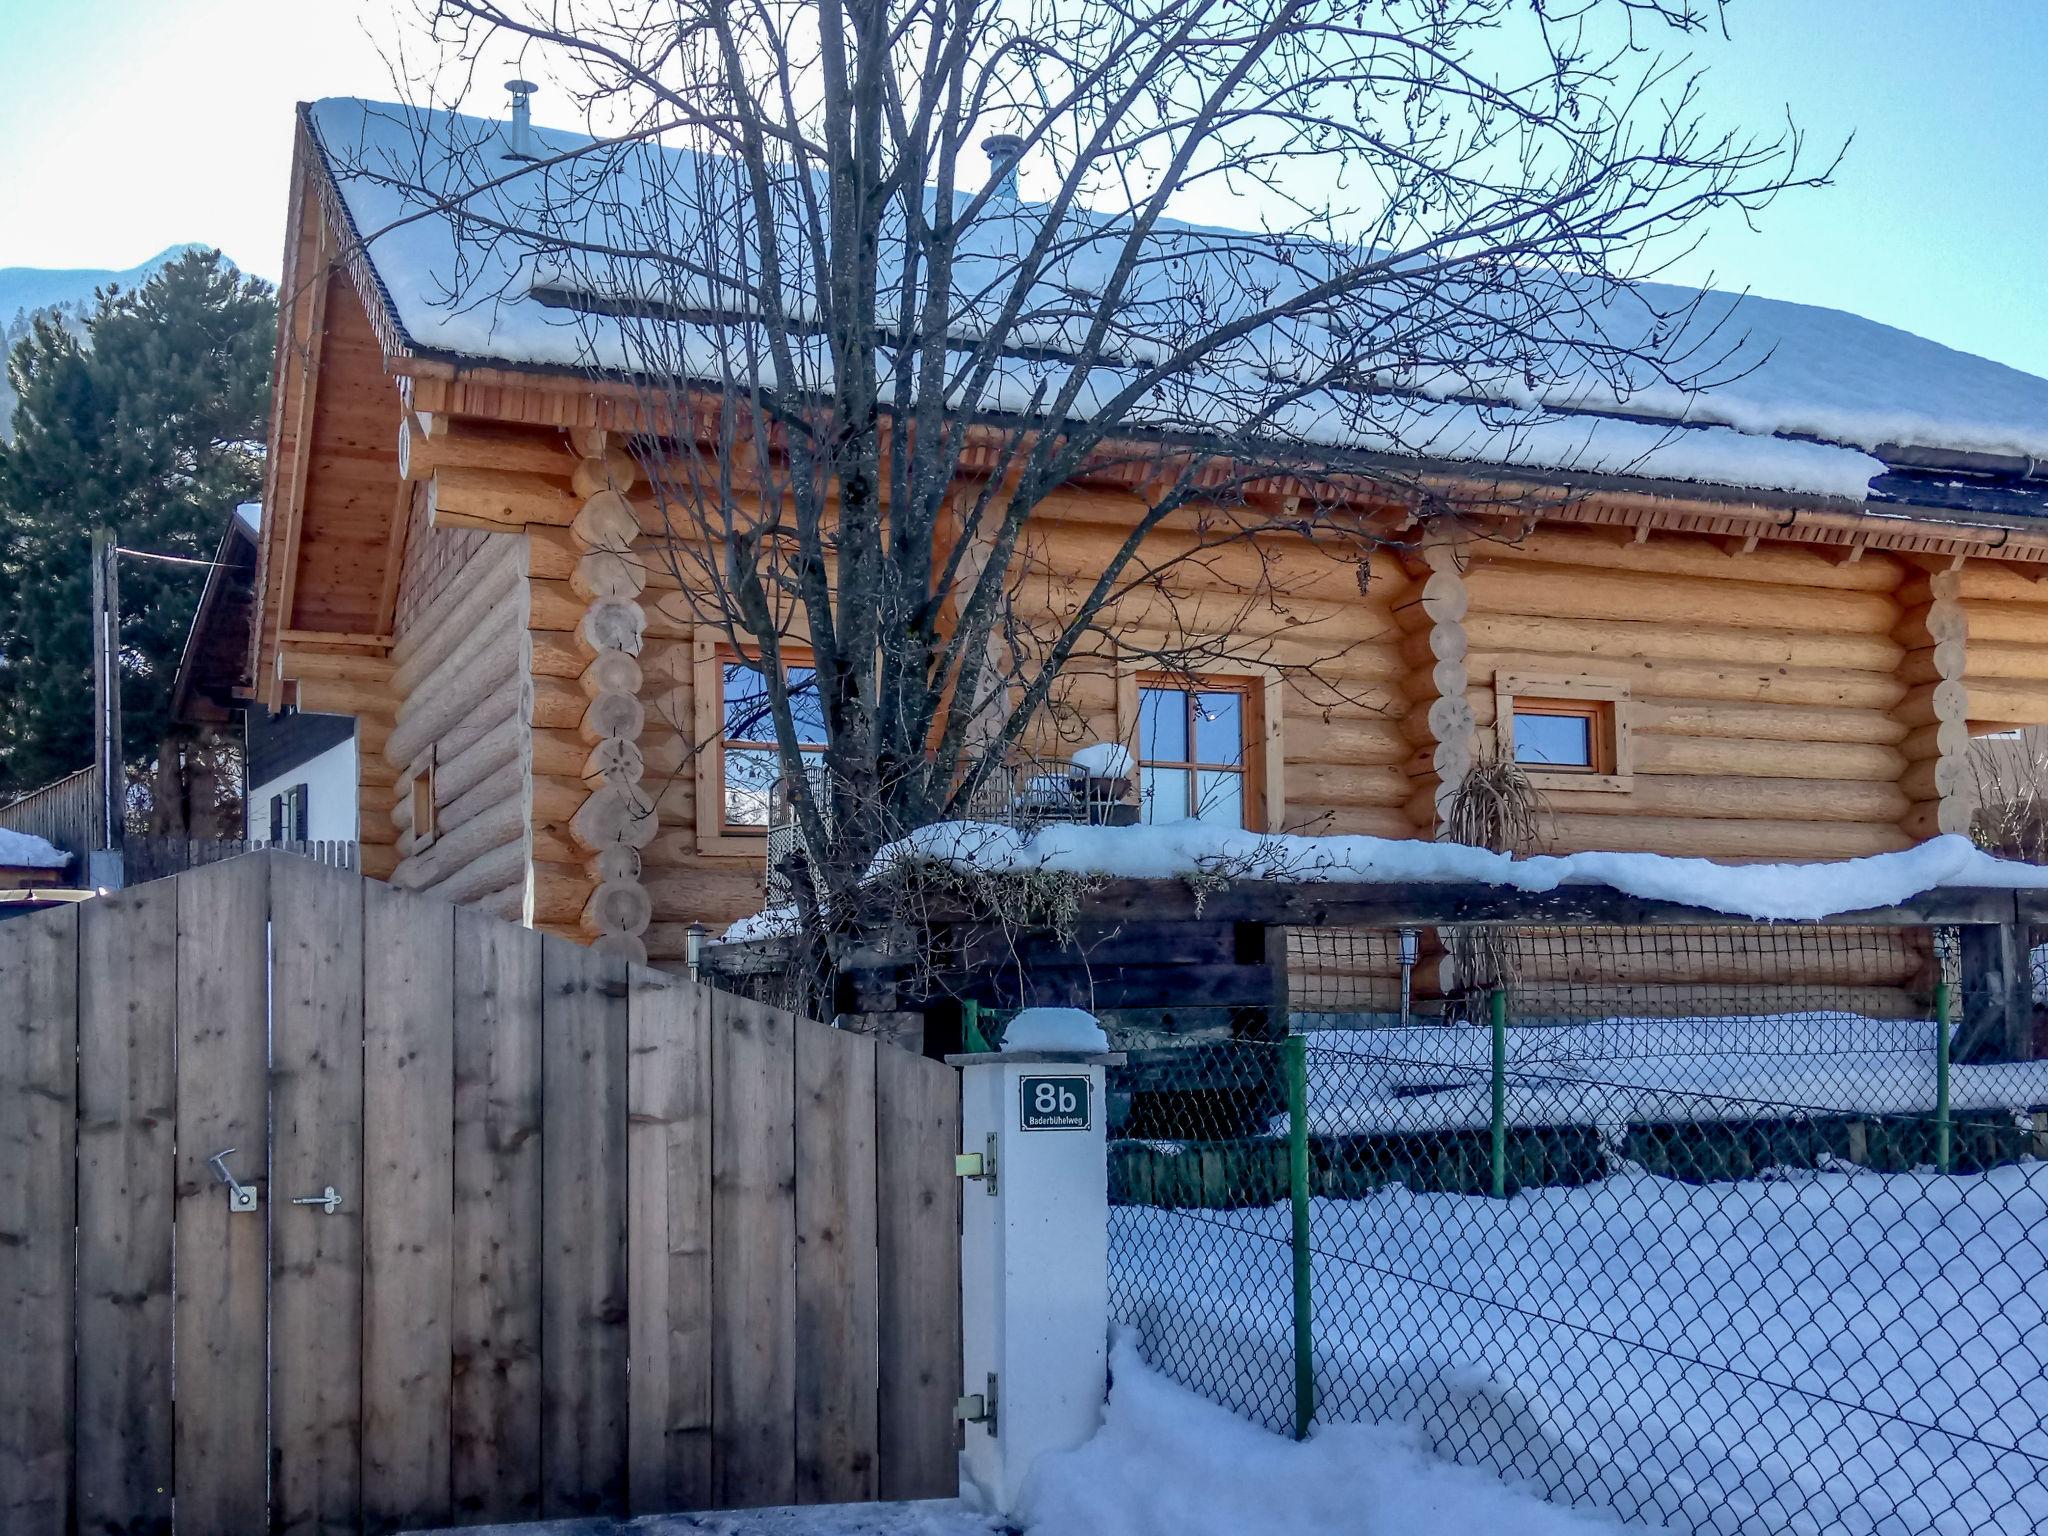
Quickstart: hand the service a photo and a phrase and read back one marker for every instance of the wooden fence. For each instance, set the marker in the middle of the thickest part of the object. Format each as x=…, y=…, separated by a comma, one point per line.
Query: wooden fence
x=65, y=813
x=154, y=858
x=606, y=1241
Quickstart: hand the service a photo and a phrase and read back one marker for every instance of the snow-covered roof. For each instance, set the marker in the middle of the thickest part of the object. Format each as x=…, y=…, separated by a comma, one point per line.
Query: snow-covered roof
x=24, y=850
x=1810, y=396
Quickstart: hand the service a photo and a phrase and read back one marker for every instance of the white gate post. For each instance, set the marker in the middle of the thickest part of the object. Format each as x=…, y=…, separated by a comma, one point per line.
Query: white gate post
x=1034, y=1263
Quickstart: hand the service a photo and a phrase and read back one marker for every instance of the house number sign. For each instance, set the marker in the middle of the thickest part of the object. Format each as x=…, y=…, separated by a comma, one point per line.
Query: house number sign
x=1055, y=1103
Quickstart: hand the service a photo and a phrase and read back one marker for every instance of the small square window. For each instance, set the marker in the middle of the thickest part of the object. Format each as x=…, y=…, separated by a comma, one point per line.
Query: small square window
x=1552, y=740
x=1568, y=733
x=1556, y=733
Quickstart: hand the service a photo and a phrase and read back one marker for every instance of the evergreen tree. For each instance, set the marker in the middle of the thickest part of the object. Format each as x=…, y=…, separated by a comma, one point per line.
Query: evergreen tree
x=151, y=425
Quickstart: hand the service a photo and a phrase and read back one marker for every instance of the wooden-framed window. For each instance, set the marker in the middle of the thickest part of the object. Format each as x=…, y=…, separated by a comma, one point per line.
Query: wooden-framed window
x=747, y=762
x=1566, y=732
x=423, y=828
x=1195, y=752
x=750, y=762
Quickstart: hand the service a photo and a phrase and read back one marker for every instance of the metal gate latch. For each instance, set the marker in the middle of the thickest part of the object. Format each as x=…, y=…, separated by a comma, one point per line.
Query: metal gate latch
x=327, y=1200
x=978, y=1407
x=241, y=1197
x=978, y=1165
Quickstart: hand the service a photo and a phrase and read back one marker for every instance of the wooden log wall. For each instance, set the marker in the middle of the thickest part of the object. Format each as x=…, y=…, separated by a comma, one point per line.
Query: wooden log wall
x=1783, y=701
x=1649, y=972
x=1439, y=719
x=1938, y=781
x=1769, y=698
x=462, y=675
x=686, y=879
x=617, y=817
x=2004, y=611
x=1331, y=639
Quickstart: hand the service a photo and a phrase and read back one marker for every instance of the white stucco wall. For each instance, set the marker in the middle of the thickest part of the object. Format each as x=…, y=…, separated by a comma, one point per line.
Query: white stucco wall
x=330, y=781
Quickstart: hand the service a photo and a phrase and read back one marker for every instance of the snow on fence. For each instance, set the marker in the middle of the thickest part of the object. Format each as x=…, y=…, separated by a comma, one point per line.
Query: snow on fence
x=1710, y=1228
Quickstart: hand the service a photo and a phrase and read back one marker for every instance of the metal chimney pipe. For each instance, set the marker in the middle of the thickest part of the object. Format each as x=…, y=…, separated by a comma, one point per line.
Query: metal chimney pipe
x=519, y=137
x=1004, y=150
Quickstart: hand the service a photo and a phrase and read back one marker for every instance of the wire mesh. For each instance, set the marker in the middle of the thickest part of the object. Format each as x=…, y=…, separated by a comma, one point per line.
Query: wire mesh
x=1708, y=1232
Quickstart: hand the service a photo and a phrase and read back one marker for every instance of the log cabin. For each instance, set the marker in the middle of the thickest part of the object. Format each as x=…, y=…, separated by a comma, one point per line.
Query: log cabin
x=1775, y=640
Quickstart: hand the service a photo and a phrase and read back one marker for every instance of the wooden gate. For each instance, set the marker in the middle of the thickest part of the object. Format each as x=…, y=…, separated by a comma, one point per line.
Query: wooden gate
x=606, y=1241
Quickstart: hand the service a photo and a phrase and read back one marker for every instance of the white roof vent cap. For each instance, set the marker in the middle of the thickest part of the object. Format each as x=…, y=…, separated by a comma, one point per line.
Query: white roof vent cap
x=519, y=136
x=1004, y=150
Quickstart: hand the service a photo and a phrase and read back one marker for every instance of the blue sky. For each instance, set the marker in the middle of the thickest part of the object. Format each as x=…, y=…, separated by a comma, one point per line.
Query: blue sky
x=130, y=125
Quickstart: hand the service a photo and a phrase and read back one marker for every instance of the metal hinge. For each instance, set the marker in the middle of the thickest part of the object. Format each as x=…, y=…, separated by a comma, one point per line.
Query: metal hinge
x=979, y=1407
x=978, y=1165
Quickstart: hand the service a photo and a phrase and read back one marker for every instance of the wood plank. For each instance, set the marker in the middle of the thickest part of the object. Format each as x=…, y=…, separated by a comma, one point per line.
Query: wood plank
x=668, y=1152
x=408, y=1204
x=127, y=1087
x=583, y=1263
x=494, y=1419
x=753, y=1226
x=38, y=1126
x=1345, y=904
x=316, y=1097
x=222, y=1307
x=917, y=1131
x=836, y=1383
x=1996, y=1012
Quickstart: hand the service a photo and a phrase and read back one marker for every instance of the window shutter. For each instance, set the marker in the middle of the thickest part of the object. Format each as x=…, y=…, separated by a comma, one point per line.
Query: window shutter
x=277, y=818
x=299, y=812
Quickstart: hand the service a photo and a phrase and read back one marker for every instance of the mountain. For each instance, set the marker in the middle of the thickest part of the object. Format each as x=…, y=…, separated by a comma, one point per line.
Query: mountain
x=33, y=288
x=26, y=291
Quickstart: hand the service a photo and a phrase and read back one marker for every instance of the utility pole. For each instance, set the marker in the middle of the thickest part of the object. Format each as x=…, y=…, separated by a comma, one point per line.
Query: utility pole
x=104, y=864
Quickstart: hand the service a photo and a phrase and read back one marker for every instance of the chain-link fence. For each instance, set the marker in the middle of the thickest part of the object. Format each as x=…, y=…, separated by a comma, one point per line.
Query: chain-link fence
x=1703, y=1227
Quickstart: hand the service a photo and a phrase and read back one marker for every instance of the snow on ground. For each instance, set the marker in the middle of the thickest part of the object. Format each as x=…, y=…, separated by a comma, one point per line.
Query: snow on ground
x=24, y=850
x=1179, y=849
x=1169, y=1463
x=1849, y=1353
x=1613, y=1071
x=924, y=1517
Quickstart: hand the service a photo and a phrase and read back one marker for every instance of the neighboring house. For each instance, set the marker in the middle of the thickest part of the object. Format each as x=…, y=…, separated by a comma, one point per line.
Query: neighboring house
x=1773, y=642
x=299, y=769
x=33, y=874
x=28, y=861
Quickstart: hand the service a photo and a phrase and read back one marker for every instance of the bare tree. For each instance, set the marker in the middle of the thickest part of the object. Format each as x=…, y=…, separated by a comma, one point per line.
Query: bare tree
x=870, y=371
x=2012, y=795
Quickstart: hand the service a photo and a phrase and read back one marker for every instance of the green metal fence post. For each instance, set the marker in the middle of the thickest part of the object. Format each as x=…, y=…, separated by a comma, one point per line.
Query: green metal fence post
x=1944, y=1158
x=972, y=1041
x=1296, y=1052
x=1498, y=1009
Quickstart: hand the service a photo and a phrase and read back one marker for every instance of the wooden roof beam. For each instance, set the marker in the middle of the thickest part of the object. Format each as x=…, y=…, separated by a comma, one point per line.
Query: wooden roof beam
x=498, y=500
x=307, y=363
